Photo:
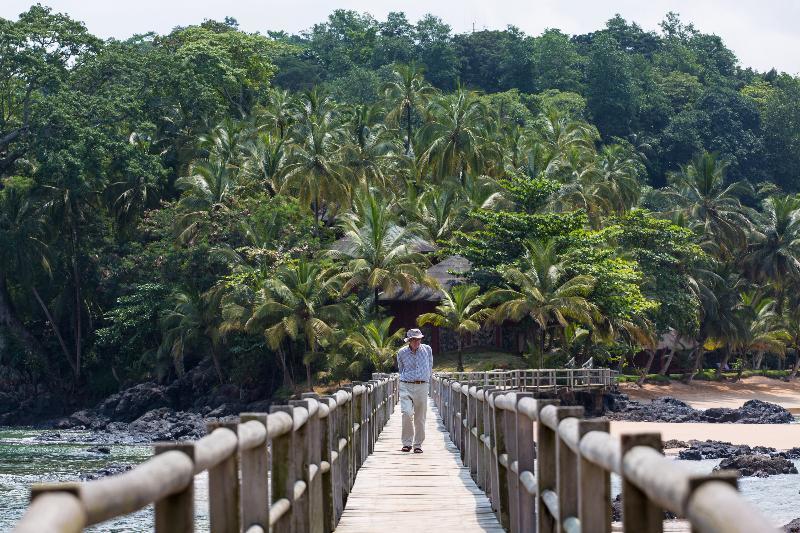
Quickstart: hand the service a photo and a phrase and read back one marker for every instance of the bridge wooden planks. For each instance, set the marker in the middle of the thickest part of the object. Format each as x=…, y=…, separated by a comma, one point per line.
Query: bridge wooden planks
x=432, y=491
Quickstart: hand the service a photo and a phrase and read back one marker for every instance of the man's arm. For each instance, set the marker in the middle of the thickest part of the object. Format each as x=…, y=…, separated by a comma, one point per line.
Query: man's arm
x=399, y=362
x=430, y=358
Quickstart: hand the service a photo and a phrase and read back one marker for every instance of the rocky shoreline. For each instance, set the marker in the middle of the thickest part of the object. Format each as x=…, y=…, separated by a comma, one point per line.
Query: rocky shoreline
x=146, y=412
x=667, y=409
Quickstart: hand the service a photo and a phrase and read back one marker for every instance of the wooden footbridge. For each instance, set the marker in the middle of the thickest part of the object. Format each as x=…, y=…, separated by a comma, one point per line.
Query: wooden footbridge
x=496, y=458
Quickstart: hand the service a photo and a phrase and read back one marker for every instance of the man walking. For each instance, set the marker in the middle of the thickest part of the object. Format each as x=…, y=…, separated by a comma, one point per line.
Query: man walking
x=415, y=362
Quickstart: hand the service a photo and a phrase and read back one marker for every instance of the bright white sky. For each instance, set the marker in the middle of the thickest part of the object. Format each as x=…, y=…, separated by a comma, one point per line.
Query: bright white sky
x=763, y=34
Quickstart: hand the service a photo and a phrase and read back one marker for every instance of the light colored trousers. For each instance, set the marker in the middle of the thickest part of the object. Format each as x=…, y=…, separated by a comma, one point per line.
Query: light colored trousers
x=414, y=407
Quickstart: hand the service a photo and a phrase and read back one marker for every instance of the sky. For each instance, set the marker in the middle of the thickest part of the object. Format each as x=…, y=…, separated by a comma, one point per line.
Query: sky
x=763, y=34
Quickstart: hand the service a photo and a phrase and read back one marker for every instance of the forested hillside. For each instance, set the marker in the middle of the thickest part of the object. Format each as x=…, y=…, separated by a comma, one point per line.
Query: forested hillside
x=172, y=199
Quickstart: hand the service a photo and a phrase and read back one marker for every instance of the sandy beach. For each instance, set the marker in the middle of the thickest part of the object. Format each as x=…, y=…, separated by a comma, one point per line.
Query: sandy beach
x=706, y=394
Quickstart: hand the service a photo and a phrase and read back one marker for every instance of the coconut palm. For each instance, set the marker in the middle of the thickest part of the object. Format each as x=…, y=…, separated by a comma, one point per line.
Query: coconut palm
x=773, y=255
x=762, y=330
x=315, y=171
x=368, y=150
x=543, y=292
x=712, y=206
x=373, y=342
x=266, y=161
x=406, y=94
x=279, y=112
x=187, y=328
x=297, y=303
x=454, y=136
x=208, y=188
x=461, y=310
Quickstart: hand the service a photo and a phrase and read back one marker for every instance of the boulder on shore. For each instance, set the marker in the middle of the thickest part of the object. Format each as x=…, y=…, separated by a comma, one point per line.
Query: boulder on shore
x=793, y=526
x=669, y=409
x=758, y=465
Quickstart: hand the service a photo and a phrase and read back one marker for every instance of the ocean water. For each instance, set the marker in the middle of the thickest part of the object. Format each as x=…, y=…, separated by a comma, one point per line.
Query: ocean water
x=775, y=496
x=24, y=461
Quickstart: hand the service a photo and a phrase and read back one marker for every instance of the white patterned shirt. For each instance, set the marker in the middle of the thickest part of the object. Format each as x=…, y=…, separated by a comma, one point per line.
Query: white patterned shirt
x=415, y=366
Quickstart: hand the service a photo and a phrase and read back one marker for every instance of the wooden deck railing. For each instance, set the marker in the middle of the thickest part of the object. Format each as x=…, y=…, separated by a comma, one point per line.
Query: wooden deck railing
x=563, y=483
x=537, y=380
x=289, y=470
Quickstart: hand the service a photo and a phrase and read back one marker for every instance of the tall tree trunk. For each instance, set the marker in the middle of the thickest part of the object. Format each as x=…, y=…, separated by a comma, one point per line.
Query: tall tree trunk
x=287, y=378
x=460, y=355
x=651, y=354
x=8, y=318
x=666, y=360
x=78, y=305
x=56, y=331
x=724, y=362
x=796, y=365
x=698, y=361
x=308, y=377
x=217, y=366
x=408, y=130
x=541, y=348
x=758, y=360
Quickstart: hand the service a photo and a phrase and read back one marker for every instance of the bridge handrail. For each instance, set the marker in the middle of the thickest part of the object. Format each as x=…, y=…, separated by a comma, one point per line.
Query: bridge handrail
x=537, y=379
x=568, y=487
x=288, y=470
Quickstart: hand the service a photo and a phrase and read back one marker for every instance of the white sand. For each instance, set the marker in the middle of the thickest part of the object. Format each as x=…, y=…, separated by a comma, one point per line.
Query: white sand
x=780, y=436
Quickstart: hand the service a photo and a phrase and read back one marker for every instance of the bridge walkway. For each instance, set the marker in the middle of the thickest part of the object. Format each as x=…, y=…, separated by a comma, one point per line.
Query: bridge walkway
x=431, y=491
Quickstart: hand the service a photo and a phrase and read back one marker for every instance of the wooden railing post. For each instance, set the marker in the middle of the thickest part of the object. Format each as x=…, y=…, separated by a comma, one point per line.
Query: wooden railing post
x=284, y=470
x=223, y=489
x=594, y=486
x=255, y=478
x=175, y=513
x=472, y=432
x=500, y=478
x=314, y=474
x=301, y=507
x=519, y=439
x=331, y=491
x=463, y=430
x=567, y=474
x=639, y=514
x=348, y=434
x=480, y=450
x=546, y=470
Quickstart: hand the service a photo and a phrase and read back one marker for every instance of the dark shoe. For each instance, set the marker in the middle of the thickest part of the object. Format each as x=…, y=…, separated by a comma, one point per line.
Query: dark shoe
x=405, y=449
x=417, y=450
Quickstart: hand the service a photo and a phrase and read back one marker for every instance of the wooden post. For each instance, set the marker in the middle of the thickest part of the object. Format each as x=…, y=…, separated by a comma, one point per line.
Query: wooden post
x=255, y=478
x=283, y=470
x=472, y=439
x=525, y=457
x=314, y=440
x=175, y=513
x=480, y=460
x=500, y=489
x=594, y=492
x=223, y=489
x=303, y=509
x=639, y=514
x=546, y=470
x=567, y=474
x=491, y=463
x=331, y=497
x=462, y=430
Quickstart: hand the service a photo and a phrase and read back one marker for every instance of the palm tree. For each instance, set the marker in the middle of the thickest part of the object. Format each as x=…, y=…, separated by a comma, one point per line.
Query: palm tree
x=187, y=328
x=279, y=112
x=380, y=253
x=23, y=252
x=762, y=330
x=369, y=150
x=700, y=191
x=315, y=171
x=375, y=343
x=455, y=135
x=297, y=303
x=543, y=292
x=210, y=187
x=774, y=251
x=266, y=161
x=406, y=93
x=461, y=311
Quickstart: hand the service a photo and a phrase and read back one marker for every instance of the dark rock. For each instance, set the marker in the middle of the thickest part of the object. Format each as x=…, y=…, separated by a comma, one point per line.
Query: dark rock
x=668, y=409
x=758, y=465
x=99, y=449
x=673, y=443
x=167, y=424
x=793, y=526
x=793, y=453
x=226, y=409
x=690, y=455
x=616, y=510
x=260, y=406
x=110, y=470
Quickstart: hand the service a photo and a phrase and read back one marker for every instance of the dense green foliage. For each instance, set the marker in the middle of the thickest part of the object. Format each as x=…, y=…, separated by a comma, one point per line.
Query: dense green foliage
x=173, y=198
